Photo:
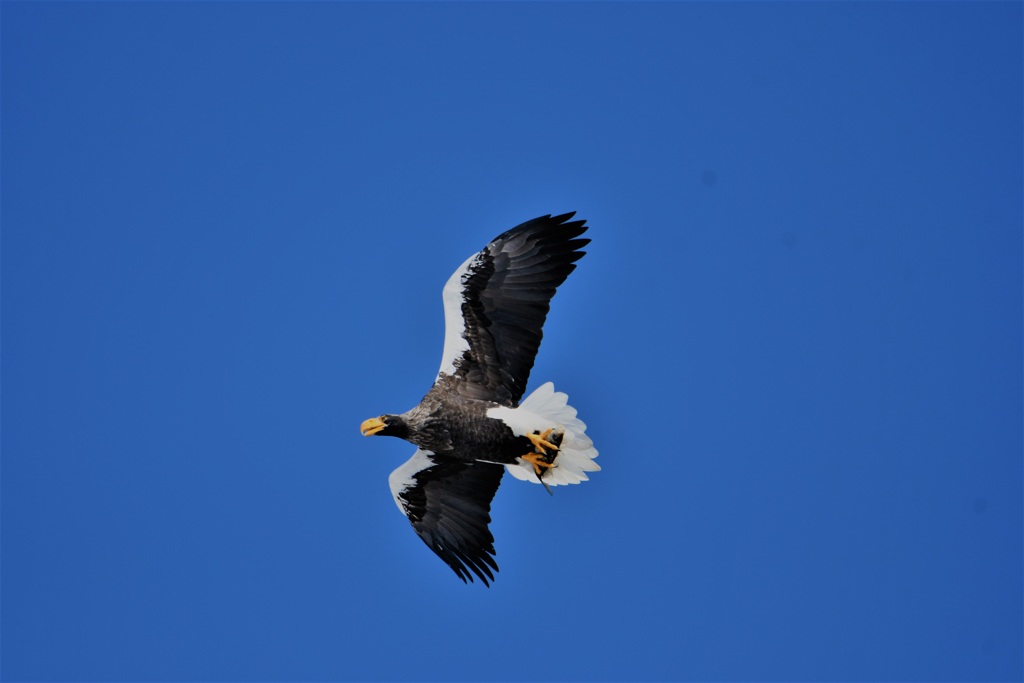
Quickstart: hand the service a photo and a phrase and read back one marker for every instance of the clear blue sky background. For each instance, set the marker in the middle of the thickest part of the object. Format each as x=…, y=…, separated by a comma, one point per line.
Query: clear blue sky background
x=796, y=338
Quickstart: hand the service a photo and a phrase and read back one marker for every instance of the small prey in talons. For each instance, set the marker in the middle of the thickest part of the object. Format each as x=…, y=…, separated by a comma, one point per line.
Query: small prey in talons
x=546, y=447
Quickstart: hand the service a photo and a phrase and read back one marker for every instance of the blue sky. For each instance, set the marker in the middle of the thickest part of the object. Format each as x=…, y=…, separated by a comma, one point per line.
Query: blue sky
x=796, y=337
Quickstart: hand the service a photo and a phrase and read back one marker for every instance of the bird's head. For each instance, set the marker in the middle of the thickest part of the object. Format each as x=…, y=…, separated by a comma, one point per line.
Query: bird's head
x=385, y=425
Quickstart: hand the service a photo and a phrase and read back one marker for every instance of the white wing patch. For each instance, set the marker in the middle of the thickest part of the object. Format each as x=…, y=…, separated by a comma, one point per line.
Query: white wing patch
x=402, y=479
x=455, y=343
x=544, y=409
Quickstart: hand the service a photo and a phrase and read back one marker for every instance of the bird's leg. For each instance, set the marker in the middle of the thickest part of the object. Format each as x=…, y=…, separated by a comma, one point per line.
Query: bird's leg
x=546, y=445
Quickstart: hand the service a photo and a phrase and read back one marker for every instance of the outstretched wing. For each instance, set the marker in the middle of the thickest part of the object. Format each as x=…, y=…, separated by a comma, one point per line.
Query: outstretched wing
x=495, y=305
x=449, y=505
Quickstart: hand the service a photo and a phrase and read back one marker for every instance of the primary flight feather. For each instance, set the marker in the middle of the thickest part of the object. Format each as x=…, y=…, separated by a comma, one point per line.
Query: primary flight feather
x=471, y=426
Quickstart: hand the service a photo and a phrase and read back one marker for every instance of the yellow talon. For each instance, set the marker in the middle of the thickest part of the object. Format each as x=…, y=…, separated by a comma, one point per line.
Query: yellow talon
x=540, y=441
x=538, y=462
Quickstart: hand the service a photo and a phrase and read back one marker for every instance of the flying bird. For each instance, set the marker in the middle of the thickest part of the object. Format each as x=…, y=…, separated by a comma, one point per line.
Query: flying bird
x=471, y=425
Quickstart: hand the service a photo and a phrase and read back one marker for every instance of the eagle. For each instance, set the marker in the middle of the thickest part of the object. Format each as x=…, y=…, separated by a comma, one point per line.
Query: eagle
x=473, y=425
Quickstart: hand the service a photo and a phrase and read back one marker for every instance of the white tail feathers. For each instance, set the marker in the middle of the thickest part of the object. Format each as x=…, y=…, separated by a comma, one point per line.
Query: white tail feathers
x=545, y=409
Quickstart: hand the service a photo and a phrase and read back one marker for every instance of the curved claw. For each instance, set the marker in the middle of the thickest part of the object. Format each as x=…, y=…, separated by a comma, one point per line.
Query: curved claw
x=540, y=441
x=538, y=462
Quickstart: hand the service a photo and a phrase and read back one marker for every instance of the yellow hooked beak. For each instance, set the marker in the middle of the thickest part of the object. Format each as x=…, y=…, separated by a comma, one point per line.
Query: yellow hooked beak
x=372, y=426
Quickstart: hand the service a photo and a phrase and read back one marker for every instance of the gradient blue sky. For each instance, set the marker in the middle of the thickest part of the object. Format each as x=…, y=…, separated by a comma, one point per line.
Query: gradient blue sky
x=796, y=339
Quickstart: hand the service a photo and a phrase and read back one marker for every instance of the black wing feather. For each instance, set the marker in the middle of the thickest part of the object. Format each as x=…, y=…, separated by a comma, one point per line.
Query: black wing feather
x=506, y=298
x=449, y=505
